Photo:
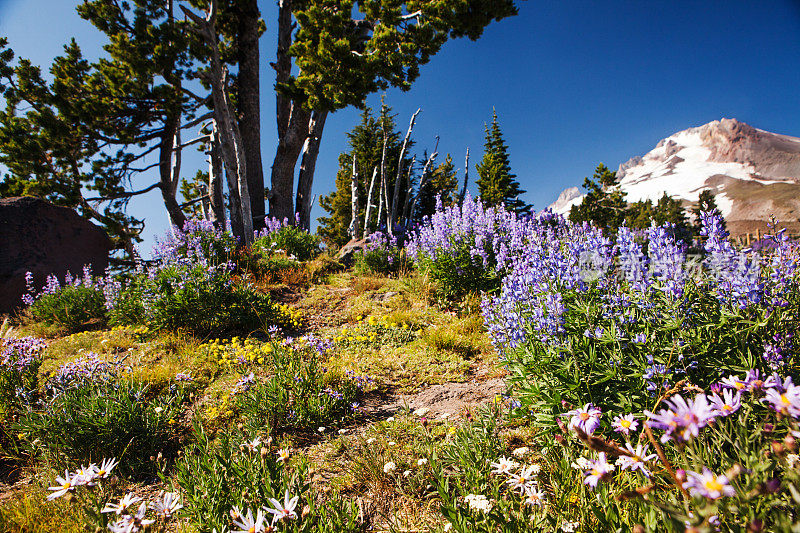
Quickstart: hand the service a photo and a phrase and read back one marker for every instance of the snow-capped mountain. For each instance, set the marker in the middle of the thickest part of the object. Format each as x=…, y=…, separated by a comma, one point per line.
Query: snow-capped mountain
x=753, y=173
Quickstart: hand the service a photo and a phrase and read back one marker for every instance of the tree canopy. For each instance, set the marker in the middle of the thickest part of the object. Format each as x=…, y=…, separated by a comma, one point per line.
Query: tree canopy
x=98, y=125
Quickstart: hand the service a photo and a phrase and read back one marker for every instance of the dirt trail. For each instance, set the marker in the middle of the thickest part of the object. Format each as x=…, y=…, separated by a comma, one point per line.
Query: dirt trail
x=450, y=399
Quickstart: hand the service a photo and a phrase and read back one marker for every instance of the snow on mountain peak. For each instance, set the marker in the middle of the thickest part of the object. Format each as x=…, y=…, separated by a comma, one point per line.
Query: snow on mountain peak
x=733, y=159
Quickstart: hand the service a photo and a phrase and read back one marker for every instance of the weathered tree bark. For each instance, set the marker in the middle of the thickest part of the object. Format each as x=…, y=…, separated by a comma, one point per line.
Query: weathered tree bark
x=396, y=195
x=423, y=180
x=466, y=178
x=368, y=207
x=176, y=160
x=166, y=149
x=307, y=166
x=353, y=229
x=383, y=194
x=215, y=182
x=205, y=203
x=292, y=121
x=409, y=191
x=230, y=138
x=248, y=103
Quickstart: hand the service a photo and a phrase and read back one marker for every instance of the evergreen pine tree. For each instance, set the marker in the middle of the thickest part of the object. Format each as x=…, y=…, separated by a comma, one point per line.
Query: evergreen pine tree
x=496, y=184
x=639, y=215
x=604, y=203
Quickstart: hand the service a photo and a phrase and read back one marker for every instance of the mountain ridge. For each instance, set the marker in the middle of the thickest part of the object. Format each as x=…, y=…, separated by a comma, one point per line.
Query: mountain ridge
x=753, y=173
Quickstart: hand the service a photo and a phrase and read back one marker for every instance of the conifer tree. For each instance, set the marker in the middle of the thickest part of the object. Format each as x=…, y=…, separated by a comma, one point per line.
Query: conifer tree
x=604, y=203
x=443, y=182
x=496, y=184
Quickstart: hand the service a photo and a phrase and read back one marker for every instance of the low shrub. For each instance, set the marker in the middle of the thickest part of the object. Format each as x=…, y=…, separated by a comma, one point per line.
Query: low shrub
x=197, y=242
x=297, y=392
x=20, y=360
x=455, y=247
x=381, y=256
x=323, y=266
x=198, y=299
x=291, y=240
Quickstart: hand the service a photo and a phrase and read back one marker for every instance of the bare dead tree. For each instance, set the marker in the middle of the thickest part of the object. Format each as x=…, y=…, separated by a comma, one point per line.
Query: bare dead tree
x=383, y=194
x=466, y=178
x=353, y=229
x=399, y=178
x=426, y=174
x=409, y=191
x=368, y=207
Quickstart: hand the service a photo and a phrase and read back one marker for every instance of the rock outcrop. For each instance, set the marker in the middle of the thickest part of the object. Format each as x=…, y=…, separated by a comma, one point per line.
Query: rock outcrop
x=44, y=239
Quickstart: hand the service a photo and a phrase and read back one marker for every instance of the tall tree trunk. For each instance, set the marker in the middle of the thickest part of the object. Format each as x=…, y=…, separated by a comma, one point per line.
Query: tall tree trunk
x=383, y=194
x=247, y=101
x=369, y=206
x=215, y=182
x=307, y=166
x=229, y=135
x=396, y=196
x=466, y=178
x=292, y=121
x=166, y=149
x=353, y=229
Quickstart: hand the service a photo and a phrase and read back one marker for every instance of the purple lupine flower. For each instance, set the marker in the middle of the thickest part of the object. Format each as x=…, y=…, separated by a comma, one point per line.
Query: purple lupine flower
x=708, y=485
x=655, y=376
x=736, y=274
x=667, y=259
x=587, y=418
x=598, y=470
x=632, y=261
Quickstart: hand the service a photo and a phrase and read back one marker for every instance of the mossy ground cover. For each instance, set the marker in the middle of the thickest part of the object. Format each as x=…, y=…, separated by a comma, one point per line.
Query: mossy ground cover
x=388, y=329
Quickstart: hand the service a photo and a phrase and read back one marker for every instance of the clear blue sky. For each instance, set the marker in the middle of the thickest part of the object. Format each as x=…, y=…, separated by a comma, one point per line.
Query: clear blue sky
x=574, y=83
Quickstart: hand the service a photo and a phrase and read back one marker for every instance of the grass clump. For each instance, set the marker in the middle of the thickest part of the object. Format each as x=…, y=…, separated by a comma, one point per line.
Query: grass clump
x=225, y=478
x=89, y=407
